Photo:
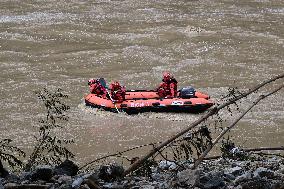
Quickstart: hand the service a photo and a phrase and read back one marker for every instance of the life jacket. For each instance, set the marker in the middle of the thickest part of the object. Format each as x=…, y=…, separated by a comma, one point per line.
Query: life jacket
x=97, y=88
x=117, y=92
x=168, y=88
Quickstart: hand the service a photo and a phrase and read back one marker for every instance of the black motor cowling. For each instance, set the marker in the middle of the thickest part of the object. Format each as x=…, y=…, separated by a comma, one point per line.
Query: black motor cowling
x=187, y=92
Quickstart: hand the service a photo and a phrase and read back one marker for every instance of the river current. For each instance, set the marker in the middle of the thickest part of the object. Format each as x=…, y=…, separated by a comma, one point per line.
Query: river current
x=211, y=45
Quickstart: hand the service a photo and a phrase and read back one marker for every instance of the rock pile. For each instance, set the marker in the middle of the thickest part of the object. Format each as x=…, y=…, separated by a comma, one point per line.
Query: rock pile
x=259, y=173
x=42, y=177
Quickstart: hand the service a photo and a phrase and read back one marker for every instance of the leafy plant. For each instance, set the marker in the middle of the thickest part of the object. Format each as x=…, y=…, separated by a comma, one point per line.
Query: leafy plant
x=229, y=150
x=10, y=153
x=232, y=93
x=49, y=149
x=192, y=144
x=146, y=169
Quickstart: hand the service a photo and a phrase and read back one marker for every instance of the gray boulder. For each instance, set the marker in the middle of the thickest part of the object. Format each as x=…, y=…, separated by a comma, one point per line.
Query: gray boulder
x=13, y=178
x=147, y=187
x=263, y=172
x=110, y=172
x=243, y=178
x=257, y=184
x=229, y=177
x=3, y=172
x=42, y=173
x=189, y=177
x=212, y=180
x=281, y=169
x=167, y=165
x=10, y=185
x=1, y=184
x=234, y=171
x=64, y=179
x=67, y=167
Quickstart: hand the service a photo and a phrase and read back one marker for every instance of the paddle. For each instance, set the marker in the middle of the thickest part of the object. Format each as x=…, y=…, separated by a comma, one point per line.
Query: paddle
x=103, y=83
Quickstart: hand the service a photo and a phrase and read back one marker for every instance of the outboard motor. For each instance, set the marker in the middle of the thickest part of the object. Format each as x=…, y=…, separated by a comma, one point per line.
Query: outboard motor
x=187, y=92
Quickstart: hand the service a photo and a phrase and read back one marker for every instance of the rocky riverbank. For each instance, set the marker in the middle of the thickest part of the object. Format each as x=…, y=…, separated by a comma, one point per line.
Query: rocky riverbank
x=258, y=172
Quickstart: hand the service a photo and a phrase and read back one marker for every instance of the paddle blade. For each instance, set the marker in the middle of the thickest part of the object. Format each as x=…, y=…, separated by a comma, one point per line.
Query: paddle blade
x=103, y=82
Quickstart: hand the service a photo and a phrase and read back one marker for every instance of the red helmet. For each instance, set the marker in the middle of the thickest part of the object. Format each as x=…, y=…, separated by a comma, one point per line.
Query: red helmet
x=91, y=81
x=166, y=76
x=115, y=85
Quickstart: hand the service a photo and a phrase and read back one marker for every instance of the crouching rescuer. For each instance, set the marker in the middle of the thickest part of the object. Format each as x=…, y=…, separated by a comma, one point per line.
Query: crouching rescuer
x=97, y=88
x=168, y=88
x=117, y=92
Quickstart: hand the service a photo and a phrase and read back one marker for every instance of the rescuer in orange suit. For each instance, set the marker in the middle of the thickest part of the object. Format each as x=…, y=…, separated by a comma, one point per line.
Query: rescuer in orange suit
x=168, y=88
x=97, y=88
x=117, y=91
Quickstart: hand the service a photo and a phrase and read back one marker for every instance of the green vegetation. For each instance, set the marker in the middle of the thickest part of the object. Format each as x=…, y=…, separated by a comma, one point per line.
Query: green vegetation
x=49, y=149
x=10, y=153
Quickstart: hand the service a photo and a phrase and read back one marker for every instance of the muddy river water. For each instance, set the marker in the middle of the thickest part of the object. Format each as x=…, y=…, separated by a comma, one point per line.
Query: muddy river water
x=211, y=45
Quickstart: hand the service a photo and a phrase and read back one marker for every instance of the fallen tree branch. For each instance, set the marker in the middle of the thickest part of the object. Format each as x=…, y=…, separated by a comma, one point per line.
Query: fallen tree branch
x=213, y=111
x=269, y=154
x=263, y=149
x=201, y=157
x=116, y=154
x=252, y=150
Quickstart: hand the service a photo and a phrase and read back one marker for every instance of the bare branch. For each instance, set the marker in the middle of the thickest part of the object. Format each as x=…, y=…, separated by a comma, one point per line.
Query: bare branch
x=199, y=160
x=213, y=111
x=116, y=154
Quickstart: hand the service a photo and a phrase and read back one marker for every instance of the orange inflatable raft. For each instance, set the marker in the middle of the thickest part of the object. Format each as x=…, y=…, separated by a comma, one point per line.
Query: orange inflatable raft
x=136, y=101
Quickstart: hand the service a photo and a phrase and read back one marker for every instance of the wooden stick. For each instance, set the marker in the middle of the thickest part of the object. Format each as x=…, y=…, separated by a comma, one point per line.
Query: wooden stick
x=263, y=149
x=251, y=150
x=213, y=111
x=199, y=160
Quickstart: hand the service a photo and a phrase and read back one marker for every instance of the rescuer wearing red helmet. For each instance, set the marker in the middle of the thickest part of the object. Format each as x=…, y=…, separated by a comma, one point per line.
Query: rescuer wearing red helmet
x=117, y=91
x=97, y=88
x=168, y=88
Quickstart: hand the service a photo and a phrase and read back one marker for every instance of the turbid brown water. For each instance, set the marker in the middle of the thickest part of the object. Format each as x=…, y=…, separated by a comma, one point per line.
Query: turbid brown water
x=211, y=45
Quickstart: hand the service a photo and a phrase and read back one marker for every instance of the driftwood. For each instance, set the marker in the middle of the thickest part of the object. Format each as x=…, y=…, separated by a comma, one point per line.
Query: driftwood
x=213, y=111
x=201, y=157
x=263, y=149
x=252, y=150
